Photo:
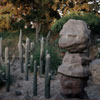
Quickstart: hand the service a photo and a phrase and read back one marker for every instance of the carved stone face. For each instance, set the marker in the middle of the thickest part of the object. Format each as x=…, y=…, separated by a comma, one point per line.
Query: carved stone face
x=72, y=86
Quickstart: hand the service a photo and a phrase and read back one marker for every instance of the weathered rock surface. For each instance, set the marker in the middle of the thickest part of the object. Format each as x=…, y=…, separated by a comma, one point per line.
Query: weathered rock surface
x=76, y=58
x=75, y=36
x=74, y=65
x=74, y=70
x=72, y=87
x=95, y=71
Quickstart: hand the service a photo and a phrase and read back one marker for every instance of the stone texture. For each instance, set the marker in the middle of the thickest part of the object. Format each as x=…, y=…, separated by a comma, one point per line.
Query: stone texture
x=95, y=71
x=72, y=87
x=75, y=36
x=74, y=65
x=76, y=58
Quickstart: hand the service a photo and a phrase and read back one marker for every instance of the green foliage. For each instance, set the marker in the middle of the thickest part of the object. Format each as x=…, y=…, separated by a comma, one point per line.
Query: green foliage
x=91, y=19
x=6, y=12
x=55, y=60
x=2, y=73
x=18, y=25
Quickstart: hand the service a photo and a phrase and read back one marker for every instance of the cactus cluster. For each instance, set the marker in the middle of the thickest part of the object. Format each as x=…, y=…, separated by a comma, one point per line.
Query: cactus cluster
x=26, y=61
x=28, y=48
x=47, y=77
x=5, y=64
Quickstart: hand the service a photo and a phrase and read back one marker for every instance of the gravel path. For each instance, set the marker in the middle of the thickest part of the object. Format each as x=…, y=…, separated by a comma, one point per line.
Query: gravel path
x=21, y=89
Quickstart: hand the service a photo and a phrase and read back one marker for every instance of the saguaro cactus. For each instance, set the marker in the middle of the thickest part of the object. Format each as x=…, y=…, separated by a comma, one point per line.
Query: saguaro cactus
x=35, y=79
x=31, y=64
x=7, y=64
x=0, y=48
x=6, y=55
x=20, y=49
x=29, y=51
x=38, y=28
x=47, y=76
x=26, y=63
x=8, y=76
x=41, y=56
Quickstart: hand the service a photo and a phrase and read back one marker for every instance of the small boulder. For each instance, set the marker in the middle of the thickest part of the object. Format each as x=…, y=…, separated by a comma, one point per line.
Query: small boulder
x=75, y=36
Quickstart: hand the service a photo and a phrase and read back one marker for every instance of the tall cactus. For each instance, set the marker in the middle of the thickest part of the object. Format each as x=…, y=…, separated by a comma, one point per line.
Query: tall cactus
x=47, y=77
x=41, y=56
x=35, y=79
x=20, y=49
x=7, y=64
x=6, y=55
x=29, y=51
x=1, y=48
x=8, y=76
x=26, y=63
x=31, y=64
x=38, y=28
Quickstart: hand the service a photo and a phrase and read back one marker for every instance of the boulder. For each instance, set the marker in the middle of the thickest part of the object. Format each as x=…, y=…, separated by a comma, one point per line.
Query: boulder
x=75, y=36
x=95, y=71
x=76, y=58
x=74, y=70
x=72, y=87
x=74, y=65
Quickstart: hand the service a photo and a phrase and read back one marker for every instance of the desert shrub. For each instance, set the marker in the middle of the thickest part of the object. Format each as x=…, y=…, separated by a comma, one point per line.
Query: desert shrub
x=91, y=19
x=55, y=60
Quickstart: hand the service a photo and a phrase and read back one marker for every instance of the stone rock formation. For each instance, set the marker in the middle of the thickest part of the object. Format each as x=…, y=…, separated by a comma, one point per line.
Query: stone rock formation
x=75, y=36
x=74, y=70
x=74, y=65
x=95, y=71
x=71, y=86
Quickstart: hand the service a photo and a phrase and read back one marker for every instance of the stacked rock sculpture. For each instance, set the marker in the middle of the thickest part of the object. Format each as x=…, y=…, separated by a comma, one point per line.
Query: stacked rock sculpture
x=74, y=71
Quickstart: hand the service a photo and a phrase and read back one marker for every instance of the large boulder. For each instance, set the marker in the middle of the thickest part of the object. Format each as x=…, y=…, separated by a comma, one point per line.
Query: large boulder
x=95, y=71
x=74, y=65
x=75, y=36
x=72, y=87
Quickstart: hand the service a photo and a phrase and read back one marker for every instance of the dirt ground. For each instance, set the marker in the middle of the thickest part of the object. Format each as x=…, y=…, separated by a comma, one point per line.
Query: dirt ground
x=21, y=89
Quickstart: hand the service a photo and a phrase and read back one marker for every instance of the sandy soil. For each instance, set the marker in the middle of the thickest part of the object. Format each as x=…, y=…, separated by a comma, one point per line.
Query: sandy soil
x=21, y=89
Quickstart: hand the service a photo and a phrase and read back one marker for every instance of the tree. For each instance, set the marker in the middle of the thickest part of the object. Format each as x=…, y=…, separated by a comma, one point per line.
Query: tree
x=38, y=11
x=7, y=10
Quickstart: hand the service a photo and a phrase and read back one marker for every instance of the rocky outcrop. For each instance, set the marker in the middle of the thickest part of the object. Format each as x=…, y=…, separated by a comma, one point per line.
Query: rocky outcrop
x=75, y=36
